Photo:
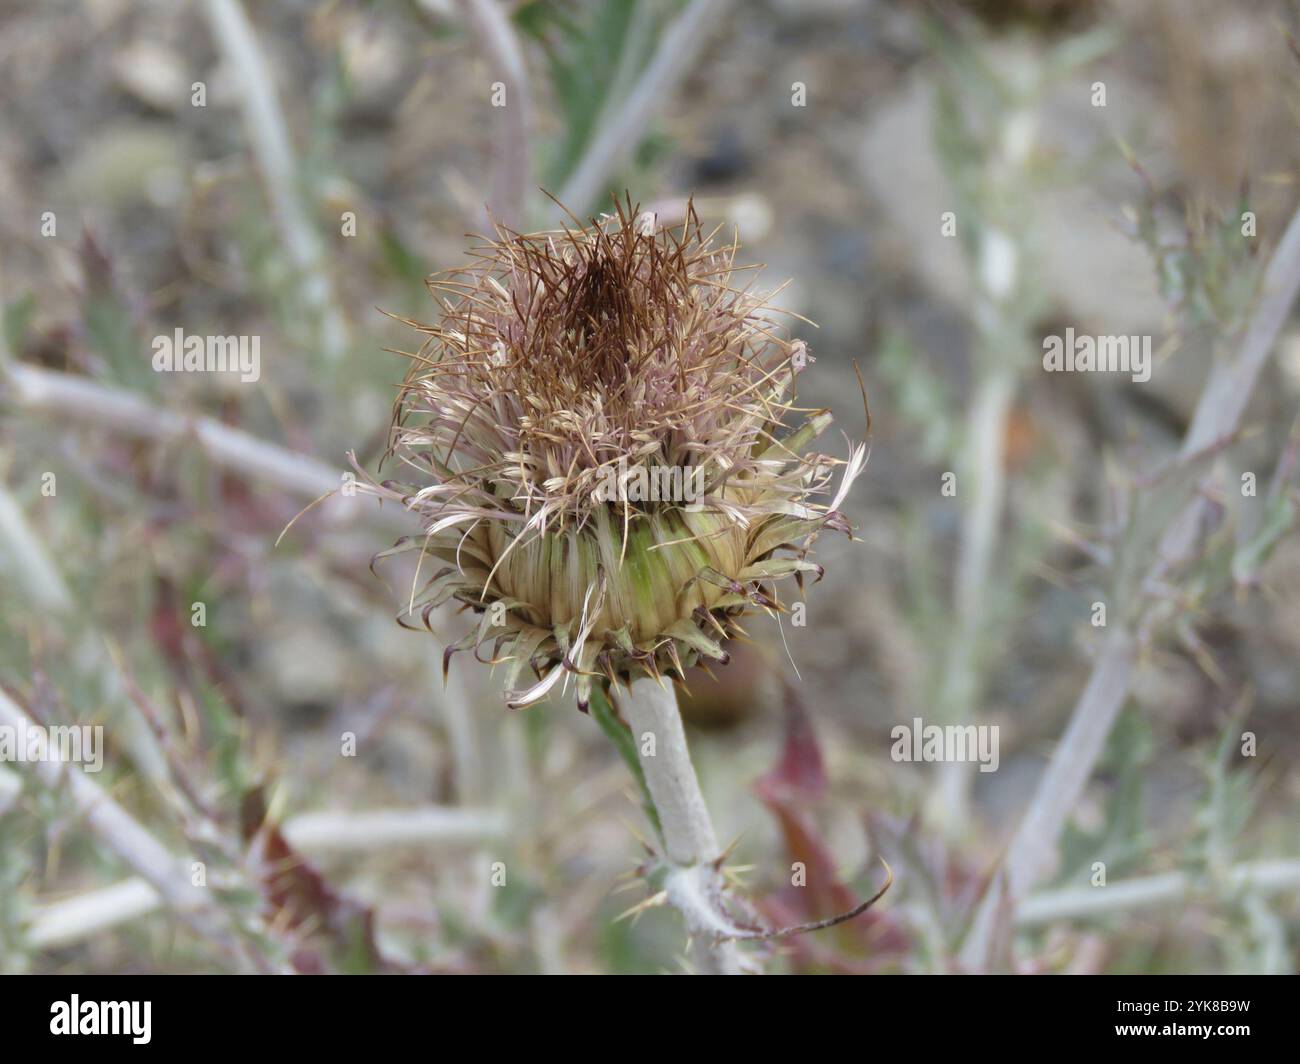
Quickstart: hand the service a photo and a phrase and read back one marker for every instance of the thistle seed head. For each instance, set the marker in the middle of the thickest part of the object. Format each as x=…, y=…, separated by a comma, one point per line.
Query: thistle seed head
x=597, y=434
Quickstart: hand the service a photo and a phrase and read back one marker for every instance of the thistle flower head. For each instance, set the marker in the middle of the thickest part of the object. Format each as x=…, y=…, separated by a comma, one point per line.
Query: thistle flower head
x=599, y=434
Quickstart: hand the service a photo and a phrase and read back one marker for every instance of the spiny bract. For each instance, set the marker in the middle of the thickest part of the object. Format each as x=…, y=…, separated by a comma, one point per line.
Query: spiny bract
x=569, y=372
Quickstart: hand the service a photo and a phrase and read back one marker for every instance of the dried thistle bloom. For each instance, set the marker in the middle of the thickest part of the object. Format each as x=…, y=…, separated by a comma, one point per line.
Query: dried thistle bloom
x=595, y=434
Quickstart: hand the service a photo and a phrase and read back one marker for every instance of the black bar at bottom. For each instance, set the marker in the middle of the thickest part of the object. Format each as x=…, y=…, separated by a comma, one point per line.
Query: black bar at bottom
x=343, y=1013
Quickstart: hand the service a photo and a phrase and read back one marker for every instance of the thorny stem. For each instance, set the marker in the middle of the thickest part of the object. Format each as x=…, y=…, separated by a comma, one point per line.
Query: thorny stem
x=695, y=881
x=1218, y=415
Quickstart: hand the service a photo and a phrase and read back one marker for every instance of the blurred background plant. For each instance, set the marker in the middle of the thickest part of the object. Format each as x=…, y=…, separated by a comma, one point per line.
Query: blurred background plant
x=289, y=785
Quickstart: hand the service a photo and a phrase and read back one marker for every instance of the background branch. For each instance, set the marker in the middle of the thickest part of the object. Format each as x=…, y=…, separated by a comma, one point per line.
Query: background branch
x=1223, y=400
x=168, y=875
x=512, y=136
x=1076, y=903
x=619, y=133
x=88, y=402
x=268, y=136
x=75, y=919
